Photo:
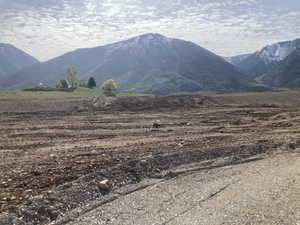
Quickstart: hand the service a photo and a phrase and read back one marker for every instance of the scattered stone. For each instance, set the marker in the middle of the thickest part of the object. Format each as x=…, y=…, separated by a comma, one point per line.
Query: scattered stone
x=156, y=125
x=105, y=185
x=186, y=124
x=181, y=144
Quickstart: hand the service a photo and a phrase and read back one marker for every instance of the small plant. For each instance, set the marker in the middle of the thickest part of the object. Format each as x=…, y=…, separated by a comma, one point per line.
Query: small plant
x=109, y=88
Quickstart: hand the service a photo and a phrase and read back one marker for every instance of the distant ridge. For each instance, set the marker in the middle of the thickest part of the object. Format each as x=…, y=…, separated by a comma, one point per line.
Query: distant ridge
x=263, y=61
x=13, y=59
x=276, y=65
x=150, y=63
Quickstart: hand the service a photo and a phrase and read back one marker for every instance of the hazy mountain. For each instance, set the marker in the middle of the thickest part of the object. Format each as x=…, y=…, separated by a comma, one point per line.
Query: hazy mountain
x=149, y=63
x=13, y=59
x=286, y=73
x=265, y=60
x=235, y=60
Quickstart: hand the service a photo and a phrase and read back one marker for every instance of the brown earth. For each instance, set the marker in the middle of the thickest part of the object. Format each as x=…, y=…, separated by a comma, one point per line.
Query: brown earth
x=41, y=149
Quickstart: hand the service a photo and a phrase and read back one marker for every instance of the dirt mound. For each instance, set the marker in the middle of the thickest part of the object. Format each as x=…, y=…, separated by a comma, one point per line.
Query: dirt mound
x=42, y=105
x=264, y=99
x=152, y=102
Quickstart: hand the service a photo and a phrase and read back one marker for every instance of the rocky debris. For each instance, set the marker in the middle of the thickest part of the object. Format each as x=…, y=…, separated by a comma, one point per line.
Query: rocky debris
x=103, y=102
x=152, y=102
x=156, y=125
x=186, y=124
x=105, y=185
x=50, y=205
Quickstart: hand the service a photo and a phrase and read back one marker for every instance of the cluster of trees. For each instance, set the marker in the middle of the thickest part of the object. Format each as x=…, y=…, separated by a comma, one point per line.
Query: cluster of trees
x=109, y=87
x=72, y=82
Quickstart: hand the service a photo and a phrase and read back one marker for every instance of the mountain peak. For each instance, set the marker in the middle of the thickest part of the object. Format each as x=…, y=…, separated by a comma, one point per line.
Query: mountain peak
x=152, y=35
x=141, y=43
x=278, y=51
x=150, y=38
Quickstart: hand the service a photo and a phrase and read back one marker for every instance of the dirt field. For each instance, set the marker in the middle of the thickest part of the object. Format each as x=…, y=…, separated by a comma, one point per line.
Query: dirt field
x=41, y=149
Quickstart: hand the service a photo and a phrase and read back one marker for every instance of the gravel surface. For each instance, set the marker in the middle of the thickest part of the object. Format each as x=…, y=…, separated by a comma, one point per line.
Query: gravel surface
x=261, y=192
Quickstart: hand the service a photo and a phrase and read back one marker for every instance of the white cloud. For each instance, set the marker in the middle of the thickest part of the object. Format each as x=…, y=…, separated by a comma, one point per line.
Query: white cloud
x=50, y=28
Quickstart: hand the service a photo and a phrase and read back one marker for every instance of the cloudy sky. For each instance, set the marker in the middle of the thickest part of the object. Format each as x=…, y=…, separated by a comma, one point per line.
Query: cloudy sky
x=49, y=28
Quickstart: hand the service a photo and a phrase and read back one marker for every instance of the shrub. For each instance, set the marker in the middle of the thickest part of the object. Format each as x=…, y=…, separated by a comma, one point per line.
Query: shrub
x=109, y=88
x=91, y=82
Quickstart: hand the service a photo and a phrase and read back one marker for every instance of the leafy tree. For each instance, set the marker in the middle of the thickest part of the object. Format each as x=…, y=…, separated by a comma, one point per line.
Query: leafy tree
x=91, y=82
x=63, y=84
x=109, y=88
x=72, y=77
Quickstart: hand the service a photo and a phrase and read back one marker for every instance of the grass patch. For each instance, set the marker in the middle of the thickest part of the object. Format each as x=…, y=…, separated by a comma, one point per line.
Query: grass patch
x=54, y=94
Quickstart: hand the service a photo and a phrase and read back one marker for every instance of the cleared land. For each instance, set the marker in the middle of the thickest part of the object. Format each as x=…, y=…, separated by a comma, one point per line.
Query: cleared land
x=43, y=146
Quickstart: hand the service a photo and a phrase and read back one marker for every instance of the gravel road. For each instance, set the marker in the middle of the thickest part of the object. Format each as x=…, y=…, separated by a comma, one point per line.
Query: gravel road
x=265, y=191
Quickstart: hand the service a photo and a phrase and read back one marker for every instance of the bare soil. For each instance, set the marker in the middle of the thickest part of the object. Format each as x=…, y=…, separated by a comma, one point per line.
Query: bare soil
x=42, y=149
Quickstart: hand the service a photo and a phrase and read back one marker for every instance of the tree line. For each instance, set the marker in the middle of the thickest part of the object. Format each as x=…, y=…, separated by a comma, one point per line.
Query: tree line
x=109, y=87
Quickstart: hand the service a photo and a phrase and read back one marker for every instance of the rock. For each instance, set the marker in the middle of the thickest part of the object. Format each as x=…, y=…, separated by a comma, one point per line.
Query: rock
x=186, y=124
x=103, y=102
x=156, y=125
x=181, y=144
x=105, y=185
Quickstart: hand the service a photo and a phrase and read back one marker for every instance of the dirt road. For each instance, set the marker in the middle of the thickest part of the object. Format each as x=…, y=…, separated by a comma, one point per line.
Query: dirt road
x=258, y=193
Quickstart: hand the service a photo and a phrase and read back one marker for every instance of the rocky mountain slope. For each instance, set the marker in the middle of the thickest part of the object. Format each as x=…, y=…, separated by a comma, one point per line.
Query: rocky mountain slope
x=235, y=60
x=286, y=73
x=264, y=61
x=13, y=59
x=149, y=63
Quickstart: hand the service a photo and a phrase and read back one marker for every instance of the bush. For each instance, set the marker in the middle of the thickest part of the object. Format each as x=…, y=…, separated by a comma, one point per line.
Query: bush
x=109, y=88
x=91, y=83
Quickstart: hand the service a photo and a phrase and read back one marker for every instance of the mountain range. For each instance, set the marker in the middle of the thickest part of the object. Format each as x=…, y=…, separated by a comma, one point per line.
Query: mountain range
x=152, y=63
x=276, y=65
x=149, y=63
x=13, y=60
x=286, y=73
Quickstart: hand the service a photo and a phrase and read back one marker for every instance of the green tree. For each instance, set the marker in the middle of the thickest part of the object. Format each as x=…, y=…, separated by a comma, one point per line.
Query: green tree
x=91, y=82
x=72, y=77
x=109, y=88
x=63, y=84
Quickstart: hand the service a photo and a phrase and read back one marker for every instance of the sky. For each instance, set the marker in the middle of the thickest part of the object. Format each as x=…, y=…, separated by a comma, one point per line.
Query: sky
x=49, y=28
